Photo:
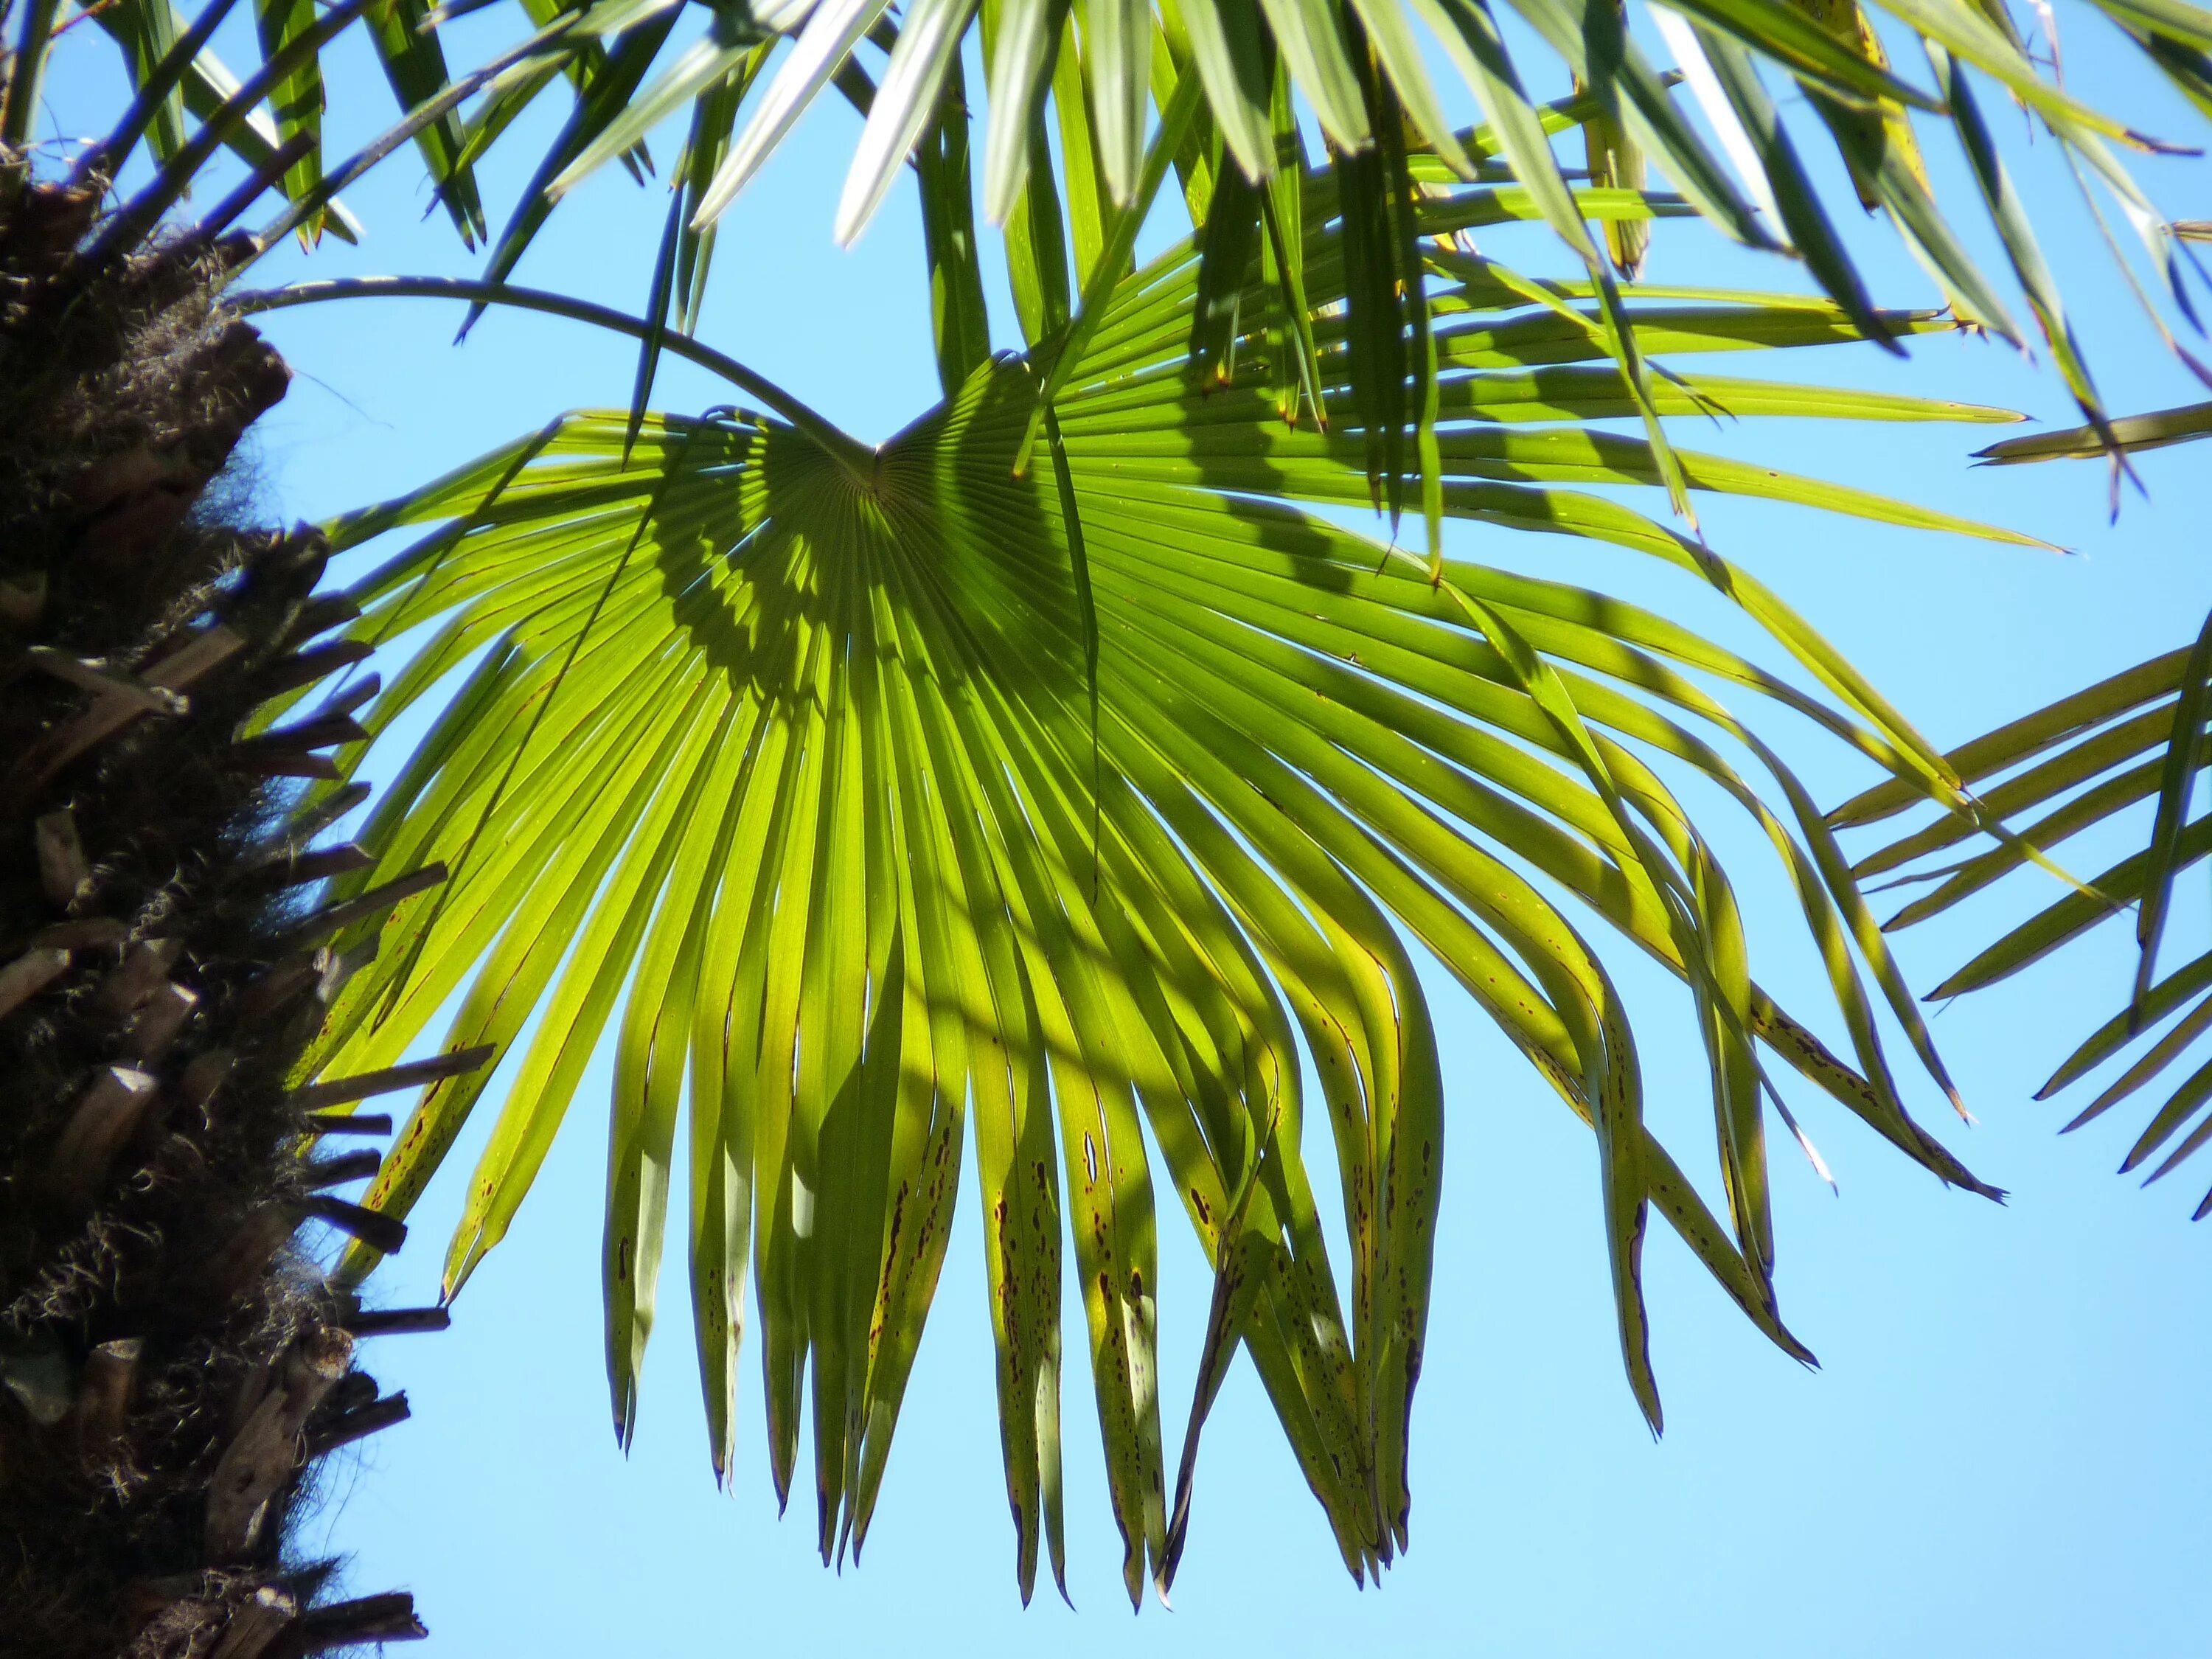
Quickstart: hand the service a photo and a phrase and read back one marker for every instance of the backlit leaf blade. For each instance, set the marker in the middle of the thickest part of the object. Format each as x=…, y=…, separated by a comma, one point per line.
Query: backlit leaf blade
x=1082, y=810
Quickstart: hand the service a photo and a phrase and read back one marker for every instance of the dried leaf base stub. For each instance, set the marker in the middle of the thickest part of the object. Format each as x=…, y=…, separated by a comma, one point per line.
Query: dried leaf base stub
x=172, y=1361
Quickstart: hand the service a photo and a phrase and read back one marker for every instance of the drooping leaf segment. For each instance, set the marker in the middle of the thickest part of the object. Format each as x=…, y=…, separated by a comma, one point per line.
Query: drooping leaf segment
x=1042, y=794
x=910, y=817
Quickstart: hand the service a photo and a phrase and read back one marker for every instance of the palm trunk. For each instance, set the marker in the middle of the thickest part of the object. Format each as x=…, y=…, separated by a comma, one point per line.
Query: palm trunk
x=173, y=1362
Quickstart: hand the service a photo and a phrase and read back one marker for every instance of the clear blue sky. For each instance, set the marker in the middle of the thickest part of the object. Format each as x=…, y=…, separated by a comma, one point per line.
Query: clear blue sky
x=2006, y=1452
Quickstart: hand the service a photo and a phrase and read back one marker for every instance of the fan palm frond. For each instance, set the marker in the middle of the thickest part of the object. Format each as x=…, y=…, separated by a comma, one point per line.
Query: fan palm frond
x=273, y=121
x=905, y=799
x=2134, y=738
x=187, y=109
x=1226, y=79
x=1090, y=76
x=2067, y=769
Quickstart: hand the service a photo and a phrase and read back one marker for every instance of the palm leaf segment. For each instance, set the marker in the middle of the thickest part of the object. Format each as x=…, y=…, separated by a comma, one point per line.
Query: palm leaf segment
x=2065, y=770
x=1224, y=75
x=272, y=121
x=2136, y=737
x=910, y=800
x=1088, y=73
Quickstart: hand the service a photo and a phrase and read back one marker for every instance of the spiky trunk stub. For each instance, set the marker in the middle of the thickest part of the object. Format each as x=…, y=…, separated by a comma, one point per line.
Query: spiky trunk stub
x=172, y=1360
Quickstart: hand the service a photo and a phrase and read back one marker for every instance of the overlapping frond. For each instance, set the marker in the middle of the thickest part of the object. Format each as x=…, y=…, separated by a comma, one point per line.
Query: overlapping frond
x=190, y=103
x=2067, y=770
x=899, y=808
x=1090, y=77
x=1218, y=93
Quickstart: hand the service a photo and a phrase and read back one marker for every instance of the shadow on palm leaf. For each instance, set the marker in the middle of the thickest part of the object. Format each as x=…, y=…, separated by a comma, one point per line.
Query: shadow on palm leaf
x=1092, y=789
x=900, y=788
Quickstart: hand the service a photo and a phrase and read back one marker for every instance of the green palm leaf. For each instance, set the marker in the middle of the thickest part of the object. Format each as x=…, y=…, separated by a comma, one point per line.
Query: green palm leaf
x=2134, y=739
x=2128, y=432
x=1344, y=58
x=1362, y=68
x=885, y=791
x=1361, y=65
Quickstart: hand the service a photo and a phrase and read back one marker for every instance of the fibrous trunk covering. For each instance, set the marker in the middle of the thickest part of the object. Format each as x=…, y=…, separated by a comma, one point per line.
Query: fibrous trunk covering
x=172, y=1361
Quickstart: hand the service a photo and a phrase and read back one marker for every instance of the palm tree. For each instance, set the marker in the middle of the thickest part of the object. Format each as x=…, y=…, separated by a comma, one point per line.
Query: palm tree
x=1064, y=762
x=947, y=719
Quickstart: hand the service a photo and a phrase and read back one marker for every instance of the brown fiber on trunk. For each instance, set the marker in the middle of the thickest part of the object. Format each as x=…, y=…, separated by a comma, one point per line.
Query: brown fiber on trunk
x=172, y=1359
